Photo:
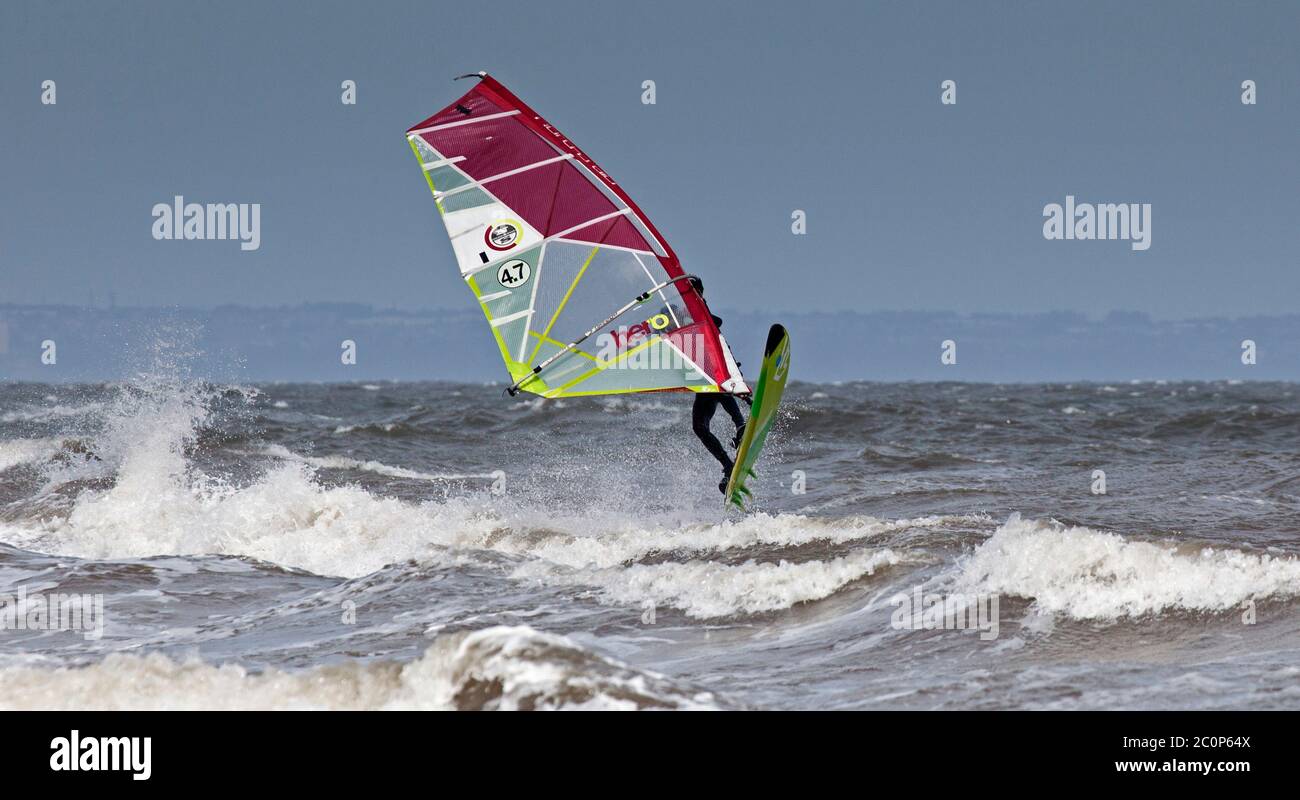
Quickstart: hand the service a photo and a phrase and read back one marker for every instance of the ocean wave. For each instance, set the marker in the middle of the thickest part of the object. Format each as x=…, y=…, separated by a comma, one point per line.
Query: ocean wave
x=286, y=518
x=383, y=428
x=159, y=503
x=1089, y=574
x=499, y=668
x=709, y=590
x=343, y=462
x=609, y=540
x=51, y=412
x=880, y=457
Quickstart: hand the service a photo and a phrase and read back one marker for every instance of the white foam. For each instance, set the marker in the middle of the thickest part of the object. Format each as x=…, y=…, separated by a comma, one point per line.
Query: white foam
x=51, y=412
x=709, y=590
x=500, y=668
x=284, y=518
x=1089, y=574
x=161, y=505
x=23, y=451
x=387, y=427
x=618, y=405
x=539, y=403
x=287, y=518
x=158, y=506
x=379, y=468
x=604, y=540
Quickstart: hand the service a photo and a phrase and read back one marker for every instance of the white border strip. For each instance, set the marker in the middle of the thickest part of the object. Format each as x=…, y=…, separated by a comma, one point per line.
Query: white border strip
x=506, y=174
x=432, y=165
x=444, y=126
x=499, y=321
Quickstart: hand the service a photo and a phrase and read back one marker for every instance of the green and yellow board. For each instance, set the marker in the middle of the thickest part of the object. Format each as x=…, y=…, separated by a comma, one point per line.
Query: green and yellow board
x=767, y=398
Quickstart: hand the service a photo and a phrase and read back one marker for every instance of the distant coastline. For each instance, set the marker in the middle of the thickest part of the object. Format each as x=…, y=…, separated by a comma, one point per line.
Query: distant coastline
x=303, y=343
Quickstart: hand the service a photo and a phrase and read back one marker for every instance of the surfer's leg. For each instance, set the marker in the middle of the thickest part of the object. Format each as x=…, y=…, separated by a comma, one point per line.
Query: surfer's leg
x=701, y=415
x=729, y=404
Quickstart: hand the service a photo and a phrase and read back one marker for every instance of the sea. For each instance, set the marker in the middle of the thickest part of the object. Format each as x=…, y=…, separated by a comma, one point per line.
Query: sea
x=172, y=543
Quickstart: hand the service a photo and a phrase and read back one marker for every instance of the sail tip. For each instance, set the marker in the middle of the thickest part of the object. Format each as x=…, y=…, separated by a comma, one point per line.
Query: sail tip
x=479, y=74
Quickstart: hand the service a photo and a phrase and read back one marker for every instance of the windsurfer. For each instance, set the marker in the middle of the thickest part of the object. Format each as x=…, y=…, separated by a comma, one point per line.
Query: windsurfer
x=707, y=404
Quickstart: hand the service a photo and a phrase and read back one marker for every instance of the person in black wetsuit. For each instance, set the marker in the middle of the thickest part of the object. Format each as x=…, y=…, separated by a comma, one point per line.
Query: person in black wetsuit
x=706, y=405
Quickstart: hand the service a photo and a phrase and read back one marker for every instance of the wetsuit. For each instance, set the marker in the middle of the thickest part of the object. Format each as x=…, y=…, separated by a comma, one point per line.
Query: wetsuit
x=706, y=405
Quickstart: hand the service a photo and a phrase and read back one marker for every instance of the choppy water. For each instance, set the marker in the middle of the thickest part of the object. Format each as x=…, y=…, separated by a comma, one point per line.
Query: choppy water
x=435, y=545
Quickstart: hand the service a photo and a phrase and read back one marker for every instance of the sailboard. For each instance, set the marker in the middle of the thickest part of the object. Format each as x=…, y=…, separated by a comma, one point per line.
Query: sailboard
x=767, y=398
x=581, y=292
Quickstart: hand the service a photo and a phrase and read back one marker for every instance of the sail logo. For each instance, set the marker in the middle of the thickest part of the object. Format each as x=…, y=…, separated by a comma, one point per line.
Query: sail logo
x=782, y=364
x=502, y=234
x=578, y=155
x=1125, y=221
x=179, y=220
x=627, y=335
x=77, y=753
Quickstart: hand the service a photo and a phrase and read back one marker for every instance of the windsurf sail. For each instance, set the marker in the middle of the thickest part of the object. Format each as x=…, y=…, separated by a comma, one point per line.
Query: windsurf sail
x=581, y=292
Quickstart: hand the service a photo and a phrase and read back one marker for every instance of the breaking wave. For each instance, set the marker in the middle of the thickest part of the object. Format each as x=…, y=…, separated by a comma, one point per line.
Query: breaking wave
x=1089, y=574
x=160, y=503
x=708, y=590
x=493, y=669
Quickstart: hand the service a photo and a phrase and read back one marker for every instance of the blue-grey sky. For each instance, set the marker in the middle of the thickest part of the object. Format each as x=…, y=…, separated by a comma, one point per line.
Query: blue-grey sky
x=762, y=108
